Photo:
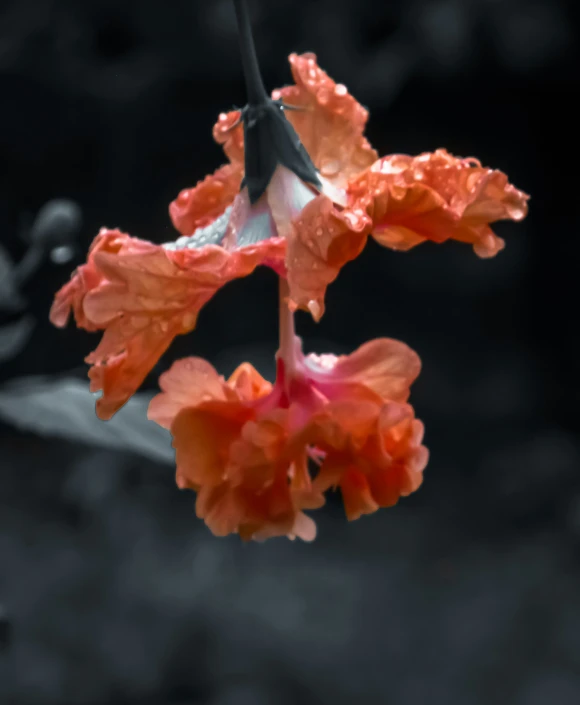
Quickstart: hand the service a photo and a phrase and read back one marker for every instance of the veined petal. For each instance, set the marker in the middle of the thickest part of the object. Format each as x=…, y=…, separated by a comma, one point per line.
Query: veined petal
x=229, y=132
x=385, y=366
x=234, y=454
x=199, y=206
x=201, y=438
x=84, y=279
x=143, y=295
x=331, y=122
x=188, y=382
x=374, y=454
x=324, y=238
x=437, y=197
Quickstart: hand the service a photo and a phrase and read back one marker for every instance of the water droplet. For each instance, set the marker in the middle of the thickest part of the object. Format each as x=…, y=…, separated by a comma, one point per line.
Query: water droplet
x=314, y=308
x=330, y=167
x=517, y=212
x=340, y=89
x=319, y=232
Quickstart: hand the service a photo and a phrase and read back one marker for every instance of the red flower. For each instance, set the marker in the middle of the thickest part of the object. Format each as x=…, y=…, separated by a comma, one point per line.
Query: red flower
x=400, y=200
x=143, y=295
x=244, y=445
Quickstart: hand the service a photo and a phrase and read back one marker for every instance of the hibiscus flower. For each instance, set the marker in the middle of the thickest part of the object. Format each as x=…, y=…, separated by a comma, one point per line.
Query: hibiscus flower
x=246, y=446
x=302, y=193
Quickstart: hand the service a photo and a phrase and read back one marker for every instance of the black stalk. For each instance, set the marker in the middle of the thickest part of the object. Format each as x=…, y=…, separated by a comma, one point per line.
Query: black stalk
x=254, y=85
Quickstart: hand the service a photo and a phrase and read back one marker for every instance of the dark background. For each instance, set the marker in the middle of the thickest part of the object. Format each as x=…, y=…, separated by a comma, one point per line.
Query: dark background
x=468, y=592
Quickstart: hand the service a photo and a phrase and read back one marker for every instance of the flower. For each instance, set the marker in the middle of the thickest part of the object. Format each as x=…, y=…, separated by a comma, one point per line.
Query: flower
x=400, y=200
x=143, y=295
x=323, y=192
x=243, y=445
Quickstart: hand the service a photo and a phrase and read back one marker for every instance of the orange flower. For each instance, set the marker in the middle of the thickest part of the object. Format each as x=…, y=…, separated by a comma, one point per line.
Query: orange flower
x=244, y=445
x=305, y=222
x=143, y=295
x=400, y=200
x=437, y=197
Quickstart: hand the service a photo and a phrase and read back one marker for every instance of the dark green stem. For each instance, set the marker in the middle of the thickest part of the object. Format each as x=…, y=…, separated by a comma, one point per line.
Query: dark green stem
x=254, y=85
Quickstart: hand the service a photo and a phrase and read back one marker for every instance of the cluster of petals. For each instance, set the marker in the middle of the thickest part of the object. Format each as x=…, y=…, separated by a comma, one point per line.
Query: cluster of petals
x=142, y=294
x=246, y=446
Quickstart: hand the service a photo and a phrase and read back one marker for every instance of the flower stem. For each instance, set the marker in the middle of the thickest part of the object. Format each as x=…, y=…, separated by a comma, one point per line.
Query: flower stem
x=287, y=349
x=254, y=85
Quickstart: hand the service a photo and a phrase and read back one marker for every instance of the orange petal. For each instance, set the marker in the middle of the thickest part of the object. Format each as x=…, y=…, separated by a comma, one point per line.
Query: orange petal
x=436, y=196
x=248, y=382
x=199, y=206
x=229, y=132
x=186, y=384
x=202, y=436
x=324, y=238
x=372, y=451
x=356, y=494
x=147, y=295
x=387, y=367
x=84, y=279
x=331, y=122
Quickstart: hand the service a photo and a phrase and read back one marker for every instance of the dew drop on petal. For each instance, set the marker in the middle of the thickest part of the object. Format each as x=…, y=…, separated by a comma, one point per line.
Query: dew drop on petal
x=517, y=212
x=314, y=308
x=330, y=167
x=340, y=89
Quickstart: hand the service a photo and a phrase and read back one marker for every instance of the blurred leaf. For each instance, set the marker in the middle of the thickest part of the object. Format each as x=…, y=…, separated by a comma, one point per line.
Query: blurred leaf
x=10, y=299
x=57, y=223
x=66, y=409
x=14, y=336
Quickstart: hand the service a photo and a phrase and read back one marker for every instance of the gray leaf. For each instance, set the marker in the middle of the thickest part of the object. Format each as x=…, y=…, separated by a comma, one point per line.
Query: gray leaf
x=14, y=336
x=66, y=409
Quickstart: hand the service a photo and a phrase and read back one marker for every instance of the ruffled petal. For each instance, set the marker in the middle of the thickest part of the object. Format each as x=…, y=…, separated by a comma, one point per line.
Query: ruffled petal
x=437, y=197
x=70, y=297
x=387, y=367
x=323, y=239
x=187, y=383
x=199, y=206
x=373, y=452
x=330, y=123
x=143, y=295
x=229, y=132
x=234, y=454
x=201, y=438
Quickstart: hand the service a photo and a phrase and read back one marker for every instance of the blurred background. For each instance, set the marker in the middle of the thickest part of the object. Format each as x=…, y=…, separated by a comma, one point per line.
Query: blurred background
x=468, y=592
